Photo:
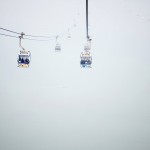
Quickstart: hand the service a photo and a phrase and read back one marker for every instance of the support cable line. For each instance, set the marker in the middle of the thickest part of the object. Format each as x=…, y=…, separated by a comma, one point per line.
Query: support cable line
x=13, y=36
x=36, y=39
x=38, y=36
x=28, y=35
x=9, y=30
x=9, y=35
x=87, y=29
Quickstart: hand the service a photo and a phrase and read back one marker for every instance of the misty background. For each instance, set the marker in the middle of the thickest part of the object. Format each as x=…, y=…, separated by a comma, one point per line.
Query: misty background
x=57, y=105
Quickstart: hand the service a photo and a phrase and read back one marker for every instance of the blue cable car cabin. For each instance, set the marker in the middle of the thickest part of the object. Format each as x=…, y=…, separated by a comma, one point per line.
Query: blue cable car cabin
x=86, y=60
x=24, y=59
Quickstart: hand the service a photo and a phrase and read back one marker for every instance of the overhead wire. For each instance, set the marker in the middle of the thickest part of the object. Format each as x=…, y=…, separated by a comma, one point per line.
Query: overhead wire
x=35, y=39
x=26, y=36
x=9, y=31
x=38, y=36
x=9, y=35
x=87, y=23
x=13, y=36
x=29, y=35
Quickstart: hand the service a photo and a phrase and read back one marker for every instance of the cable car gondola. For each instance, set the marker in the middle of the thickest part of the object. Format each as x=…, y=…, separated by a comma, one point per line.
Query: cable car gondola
x=24, y=56
x=24, y=59
x=58, y=46
x=69, y=35
x=86, y=60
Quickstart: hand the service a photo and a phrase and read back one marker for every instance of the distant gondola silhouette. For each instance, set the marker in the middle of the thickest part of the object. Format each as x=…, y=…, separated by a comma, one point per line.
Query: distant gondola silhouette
x=58, y=46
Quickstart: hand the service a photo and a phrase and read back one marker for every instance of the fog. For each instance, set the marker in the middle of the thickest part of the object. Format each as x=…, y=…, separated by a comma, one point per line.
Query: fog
x=57, y=105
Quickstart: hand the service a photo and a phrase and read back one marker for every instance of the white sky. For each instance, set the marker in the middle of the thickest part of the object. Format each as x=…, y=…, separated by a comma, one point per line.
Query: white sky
x=55, y=104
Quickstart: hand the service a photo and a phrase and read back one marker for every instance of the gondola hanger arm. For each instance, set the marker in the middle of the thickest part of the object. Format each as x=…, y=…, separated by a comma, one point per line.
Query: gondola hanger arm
x=20, y=38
